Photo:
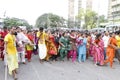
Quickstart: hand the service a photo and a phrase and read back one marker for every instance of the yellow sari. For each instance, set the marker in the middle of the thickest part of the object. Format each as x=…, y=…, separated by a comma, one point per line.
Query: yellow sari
x=118, y=41
x=11, y=55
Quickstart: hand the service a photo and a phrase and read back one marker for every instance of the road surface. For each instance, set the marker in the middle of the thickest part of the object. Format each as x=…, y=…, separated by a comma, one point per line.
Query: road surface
x=66, y=70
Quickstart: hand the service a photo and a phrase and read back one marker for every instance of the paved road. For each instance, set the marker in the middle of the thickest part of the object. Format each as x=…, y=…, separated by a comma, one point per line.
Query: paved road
x=64, y=71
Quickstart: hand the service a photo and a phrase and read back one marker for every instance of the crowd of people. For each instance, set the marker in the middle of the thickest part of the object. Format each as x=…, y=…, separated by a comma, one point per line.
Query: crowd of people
x=19, y=45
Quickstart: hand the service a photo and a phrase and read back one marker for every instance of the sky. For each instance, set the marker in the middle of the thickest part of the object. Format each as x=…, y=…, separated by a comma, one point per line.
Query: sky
x=30, y=10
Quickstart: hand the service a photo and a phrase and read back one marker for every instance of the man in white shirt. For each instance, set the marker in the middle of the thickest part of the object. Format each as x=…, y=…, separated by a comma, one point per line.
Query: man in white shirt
x=93, y=36
x=105, y=39
x=21, y=40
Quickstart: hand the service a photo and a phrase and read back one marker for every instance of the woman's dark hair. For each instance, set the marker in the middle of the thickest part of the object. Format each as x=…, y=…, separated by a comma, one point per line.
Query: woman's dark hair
x=4, y=27
x=64, y=34
x=41, y=29
x=98, y=35
x=29, y=31
x=15, y=33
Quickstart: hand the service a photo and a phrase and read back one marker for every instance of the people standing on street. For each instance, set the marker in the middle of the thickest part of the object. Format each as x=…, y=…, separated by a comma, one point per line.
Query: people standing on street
x=35, y=49
x=11, y=52
x=21, y=41
x=3, y=33
x=48, y=56
x=117, y=53
x=98, y=50
x=52, y=50
x=29, y=46
x=73, y=52
x=105, y=39
x=112, y=46
x=64, y=46
x=42, y=49
x=82, y=48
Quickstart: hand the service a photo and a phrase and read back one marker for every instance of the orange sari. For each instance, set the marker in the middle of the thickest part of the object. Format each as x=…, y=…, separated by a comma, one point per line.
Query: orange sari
x=111, y=51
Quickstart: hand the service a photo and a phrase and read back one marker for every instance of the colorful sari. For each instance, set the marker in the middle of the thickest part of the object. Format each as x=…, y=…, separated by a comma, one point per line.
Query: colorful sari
x=111, y=51
x=73, y=52
x=2, y=35
x=36, y=44
x=91, y=47
x=99, y=52
x=29, y=48
x=88, y=46
x=51, y=47
x=64, y=49
x=52, y=44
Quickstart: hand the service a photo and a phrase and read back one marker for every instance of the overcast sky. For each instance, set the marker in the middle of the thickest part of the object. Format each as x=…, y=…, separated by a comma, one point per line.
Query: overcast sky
x=32, y=9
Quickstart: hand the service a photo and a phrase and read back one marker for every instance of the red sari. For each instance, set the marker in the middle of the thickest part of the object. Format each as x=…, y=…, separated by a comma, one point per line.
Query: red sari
x=2, y=36
x=52, y=45
x=30, y=49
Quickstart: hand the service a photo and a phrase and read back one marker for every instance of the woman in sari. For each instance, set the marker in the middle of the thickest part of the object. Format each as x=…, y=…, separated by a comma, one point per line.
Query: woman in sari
x=29, y=46
x=112, y=46
x=56, y=41
x=91, y=49
x=35, y=50
x=64, y=46
x=1, y=46
x=51, y=48
x=98, y=50
x=88, y=45
x=47, y=45
x=73, y=52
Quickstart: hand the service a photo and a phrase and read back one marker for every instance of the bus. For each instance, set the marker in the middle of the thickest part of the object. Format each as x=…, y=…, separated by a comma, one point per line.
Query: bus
x=99, y=30
x=112, y=28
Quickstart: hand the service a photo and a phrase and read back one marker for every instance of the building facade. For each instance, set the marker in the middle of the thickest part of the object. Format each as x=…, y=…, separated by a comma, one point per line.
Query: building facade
x=83, y=5
x=89, y=4
x=114, y=11
x=71, y=13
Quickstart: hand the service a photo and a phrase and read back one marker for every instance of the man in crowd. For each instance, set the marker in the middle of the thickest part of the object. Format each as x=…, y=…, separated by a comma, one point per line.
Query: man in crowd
x=106, y=40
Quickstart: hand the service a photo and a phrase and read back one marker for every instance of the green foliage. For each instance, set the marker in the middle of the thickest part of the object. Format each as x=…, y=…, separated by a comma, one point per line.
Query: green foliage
x=49, y=20
x=10, y=22
x=89, y=16
x=102, y=19
x=81, y=14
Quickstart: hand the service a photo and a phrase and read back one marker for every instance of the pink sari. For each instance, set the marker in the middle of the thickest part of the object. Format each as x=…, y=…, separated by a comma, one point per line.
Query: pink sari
x=91, y=49
x=99, y=53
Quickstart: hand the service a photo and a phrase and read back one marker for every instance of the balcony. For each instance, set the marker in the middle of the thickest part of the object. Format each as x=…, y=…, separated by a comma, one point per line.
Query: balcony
x=115, y=3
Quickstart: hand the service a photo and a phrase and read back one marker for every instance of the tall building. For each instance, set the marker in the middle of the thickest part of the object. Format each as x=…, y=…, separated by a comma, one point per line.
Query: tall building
x=89, y=4
x=114, y=11
x=71, y=13
x=83, y=4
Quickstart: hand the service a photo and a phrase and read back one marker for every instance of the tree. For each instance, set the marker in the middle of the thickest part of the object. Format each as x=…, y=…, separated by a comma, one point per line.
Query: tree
x=89, y=17
x=9, y=22
x=102, y=19
x=49, y=20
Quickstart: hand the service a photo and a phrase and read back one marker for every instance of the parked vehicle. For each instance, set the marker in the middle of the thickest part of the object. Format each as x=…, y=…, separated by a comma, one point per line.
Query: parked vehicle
x=112, y=28
x=98, y=30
